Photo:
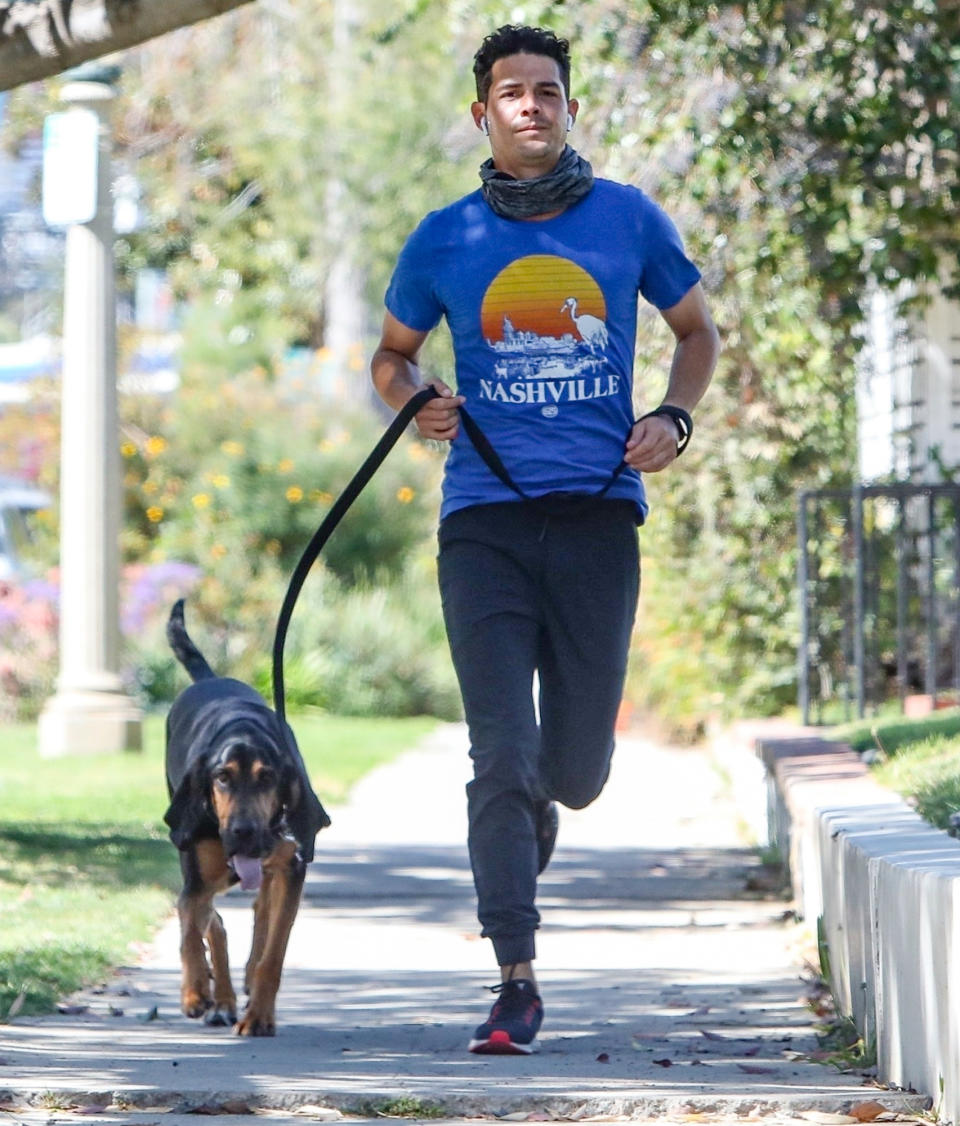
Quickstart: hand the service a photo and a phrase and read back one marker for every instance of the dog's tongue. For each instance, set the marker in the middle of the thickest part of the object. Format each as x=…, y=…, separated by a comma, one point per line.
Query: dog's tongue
x=249, y=869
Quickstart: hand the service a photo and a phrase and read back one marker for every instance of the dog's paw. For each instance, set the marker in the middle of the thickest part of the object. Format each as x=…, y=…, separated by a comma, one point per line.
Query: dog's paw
x=194, y=1005
x=220, y=1016
x=253, y=1024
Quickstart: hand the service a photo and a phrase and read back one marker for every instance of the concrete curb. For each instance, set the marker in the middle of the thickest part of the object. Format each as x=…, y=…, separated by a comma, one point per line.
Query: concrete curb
x=885, y=887
x=419, y=1107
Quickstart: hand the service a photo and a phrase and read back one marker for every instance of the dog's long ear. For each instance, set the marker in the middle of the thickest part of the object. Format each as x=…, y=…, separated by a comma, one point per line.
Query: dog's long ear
x=189, y=811
x=304, y=814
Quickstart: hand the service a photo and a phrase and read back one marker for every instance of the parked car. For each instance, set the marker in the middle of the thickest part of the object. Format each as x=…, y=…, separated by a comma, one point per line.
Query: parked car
x=18, y=501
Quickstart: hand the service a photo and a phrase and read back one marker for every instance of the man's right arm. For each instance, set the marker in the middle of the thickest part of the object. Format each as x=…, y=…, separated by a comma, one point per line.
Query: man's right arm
x=397, y=378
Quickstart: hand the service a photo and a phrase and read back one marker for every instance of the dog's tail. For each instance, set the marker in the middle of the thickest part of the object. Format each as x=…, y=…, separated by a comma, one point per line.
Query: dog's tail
x=183, y=648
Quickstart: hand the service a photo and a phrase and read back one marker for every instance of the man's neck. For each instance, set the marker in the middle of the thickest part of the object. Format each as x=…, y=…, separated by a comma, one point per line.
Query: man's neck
x=531, y=171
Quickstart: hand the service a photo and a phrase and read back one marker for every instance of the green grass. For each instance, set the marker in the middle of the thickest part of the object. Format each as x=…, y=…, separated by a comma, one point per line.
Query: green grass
x=927, y=774
x=889, y=734
x=920, y=759
x=86, y=867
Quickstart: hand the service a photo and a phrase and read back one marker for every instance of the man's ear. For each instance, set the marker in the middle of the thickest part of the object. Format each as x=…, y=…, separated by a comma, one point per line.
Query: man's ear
x=189, y=809
x=478, y=111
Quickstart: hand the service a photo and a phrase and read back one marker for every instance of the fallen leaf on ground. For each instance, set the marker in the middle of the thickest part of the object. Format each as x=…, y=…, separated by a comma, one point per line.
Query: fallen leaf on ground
x=752, y=1051
x=711, y=1035
x=664, y=1063
x=868, y=1111
x=72, y=1010
x=603, y=1058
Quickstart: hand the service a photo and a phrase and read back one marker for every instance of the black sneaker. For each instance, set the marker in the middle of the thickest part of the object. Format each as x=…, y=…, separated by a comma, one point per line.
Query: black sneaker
x=511, y=1029
x=548, y=822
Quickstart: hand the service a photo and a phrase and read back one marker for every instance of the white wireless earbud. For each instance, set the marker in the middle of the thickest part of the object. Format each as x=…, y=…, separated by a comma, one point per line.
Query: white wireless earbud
x=569, y=122
x=484, y=127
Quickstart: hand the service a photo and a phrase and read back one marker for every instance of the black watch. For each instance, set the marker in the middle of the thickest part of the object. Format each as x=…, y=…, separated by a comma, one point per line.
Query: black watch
x=681, y=419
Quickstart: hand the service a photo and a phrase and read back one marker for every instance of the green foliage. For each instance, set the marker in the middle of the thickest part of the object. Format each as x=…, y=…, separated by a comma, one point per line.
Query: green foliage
x=248, y=469
x=377, y=650
x=405, y=1106
x=846, y=118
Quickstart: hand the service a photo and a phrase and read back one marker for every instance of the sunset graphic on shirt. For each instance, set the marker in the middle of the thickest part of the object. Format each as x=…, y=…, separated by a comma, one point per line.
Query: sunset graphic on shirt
x=534, y=293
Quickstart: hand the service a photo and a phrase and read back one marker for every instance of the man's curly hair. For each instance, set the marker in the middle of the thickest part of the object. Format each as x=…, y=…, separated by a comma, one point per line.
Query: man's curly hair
x=512, y=39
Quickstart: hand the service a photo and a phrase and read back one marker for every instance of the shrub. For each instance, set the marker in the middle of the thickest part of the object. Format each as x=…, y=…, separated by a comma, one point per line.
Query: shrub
x=369, y=650
x=245, y=471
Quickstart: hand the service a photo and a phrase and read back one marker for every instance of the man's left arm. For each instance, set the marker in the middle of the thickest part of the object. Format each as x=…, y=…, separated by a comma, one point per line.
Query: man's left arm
x=652, y=444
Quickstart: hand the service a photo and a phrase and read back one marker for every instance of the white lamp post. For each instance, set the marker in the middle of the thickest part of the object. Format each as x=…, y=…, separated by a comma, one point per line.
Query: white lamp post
x=90, y=711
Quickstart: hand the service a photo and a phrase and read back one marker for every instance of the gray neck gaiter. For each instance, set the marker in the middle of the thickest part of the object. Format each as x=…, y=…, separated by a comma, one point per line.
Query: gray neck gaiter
x=565, y=185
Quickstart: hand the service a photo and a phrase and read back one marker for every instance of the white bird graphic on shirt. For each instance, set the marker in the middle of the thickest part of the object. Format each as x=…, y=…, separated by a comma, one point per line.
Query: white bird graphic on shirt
x=592, y=330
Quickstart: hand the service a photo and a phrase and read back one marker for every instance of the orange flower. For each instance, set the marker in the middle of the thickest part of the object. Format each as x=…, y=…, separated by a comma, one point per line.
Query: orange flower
x=405, y=494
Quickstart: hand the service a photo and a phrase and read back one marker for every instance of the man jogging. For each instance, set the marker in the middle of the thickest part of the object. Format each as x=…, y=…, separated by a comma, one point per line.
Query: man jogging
x=538, y=273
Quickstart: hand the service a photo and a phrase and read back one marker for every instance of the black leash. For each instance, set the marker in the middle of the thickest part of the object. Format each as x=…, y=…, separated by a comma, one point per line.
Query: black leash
x=356, y=486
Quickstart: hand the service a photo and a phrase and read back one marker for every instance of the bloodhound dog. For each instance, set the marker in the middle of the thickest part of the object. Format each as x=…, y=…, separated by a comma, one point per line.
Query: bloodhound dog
x=242, y=810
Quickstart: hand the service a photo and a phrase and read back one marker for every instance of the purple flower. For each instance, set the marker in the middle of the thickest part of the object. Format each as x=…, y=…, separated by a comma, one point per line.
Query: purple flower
x=149, y=588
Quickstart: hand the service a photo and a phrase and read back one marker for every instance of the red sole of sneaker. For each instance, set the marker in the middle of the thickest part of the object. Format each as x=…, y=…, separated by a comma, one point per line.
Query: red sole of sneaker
x=500, y=1044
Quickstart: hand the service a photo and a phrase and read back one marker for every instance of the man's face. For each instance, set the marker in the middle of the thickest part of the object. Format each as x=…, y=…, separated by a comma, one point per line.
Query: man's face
x=526, y=112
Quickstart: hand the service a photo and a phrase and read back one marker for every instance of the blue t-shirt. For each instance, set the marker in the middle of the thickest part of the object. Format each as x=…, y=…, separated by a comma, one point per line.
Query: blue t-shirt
x=543, y=316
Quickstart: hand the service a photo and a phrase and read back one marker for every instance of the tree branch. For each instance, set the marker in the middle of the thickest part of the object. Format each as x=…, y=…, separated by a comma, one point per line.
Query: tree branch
x=39, y=38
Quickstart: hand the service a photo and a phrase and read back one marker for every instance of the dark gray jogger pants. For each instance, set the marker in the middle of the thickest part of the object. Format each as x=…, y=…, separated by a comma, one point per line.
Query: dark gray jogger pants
x=534, y=586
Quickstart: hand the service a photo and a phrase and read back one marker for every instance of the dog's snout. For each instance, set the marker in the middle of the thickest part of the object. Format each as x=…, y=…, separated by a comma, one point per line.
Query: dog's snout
x=244, y=836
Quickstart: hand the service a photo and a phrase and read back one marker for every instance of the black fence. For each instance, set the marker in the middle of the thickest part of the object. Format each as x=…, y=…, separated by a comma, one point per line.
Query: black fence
x=879, y=581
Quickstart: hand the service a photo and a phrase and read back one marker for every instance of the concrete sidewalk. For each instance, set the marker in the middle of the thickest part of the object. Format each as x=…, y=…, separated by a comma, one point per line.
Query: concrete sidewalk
x=669, y=986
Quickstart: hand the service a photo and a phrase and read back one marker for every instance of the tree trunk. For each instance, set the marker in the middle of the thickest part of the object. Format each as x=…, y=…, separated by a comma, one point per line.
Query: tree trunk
x=43, y=37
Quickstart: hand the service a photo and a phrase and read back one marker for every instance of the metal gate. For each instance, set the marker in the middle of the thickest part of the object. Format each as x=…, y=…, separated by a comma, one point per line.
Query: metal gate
x=879, y=582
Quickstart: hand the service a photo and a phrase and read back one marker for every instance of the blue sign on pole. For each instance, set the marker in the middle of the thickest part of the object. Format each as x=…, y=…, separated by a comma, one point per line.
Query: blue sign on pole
x=71, y=143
